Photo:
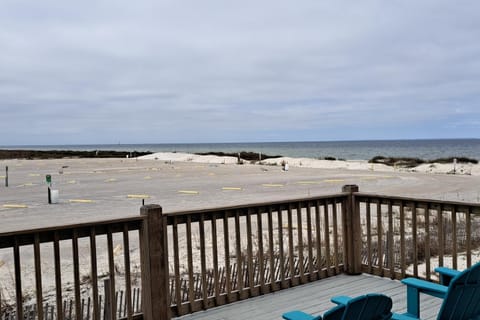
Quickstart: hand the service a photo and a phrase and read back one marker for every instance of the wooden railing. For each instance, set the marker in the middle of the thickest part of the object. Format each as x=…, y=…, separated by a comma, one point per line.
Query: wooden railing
x=252, y=250
x=399, y=232
x=189, y=261
x=66, y=261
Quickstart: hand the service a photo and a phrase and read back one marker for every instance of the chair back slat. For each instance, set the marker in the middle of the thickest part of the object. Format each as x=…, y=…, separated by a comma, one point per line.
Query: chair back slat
x=368, y=307
x=463, y=296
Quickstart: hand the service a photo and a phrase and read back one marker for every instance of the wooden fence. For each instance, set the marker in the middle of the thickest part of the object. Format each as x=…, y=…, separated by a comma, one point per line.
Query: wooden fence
x=194, y=260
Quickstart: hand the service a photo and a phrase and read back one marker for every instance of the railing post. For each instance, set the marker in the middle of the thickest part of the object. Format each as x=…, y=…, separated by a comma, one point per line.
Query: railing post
x=352, y=232
x=107, y=311
x=154, y=259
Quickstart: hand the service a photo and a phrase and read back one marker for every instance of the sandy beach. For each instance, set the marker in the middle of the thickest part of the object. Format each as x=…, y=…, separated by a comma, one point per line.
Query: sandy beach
x=99, y=189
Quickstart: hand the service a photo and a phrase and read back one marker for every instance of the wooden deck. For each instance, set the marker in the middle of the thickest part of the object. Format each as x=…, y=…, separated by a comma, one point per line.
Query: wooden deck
x=314, y=298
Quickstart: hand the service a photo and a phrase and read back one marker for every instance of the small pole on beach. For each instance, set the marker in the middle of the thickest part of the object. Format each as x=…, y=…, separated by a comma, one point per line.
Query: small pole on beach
x=48, y=178
x=6, y=176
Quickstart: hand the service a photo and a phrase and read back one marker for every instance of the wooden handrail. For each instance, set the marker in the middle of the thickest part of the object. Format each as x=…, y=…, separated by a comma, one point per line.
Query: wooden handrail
x=198, y=259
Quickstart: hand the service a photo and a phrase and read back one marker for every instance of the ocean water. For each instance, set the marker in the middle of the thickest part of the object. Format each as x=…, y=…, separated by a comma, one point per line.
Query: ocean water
x=349, y=150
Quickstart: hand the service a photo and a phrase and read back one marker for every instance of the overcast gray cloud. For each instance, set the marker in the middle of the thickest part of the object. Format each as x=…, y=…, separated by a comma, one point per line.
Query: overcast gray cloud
x=220, y=71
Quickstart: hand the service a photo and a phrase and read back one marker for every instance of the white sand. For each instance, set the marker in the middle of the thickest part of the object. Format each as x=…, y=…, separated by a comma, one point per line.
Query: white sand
x=426, y=180
x=435, y=168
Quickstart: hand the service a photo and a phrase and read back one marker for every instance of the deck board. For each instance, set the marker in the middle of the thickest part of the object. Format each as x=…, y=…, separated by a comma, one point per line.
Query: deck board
x=314, y=298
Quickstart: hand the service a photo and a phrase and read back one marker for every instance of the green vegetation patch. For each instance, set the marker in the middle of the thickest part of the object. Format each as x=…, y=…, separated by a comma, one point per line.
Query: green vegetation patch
x=414, y=162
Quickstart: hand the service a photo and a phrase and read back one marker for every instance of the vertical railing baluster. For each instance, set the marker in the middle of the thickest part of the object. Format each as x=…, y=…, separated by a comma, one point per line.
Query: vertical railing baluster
x=261, y=257
x=328, y=257
x=414, y=239
x=369, y=235
x=427, y=241
x=309, y=241
x=191, y=280
x=176, y=266
x=18, y=279
x=238, y=250
x=128, y=278
x=318, y=244
x=111, y=275
x=250, y=270
x=38, y=277
x=390, y=241
x=76, y=274
x=215, y=258
x=336, y=248
x=58, y=275
x=454, y=237
x=402, y=239
x=379, y=237
x=441, y=238
x=280, y=246
x=301, y=270
x=226, y=244
x=94, y=272
x=203, y=261
x=290, y=245
x=271, y=250
x=468, y=230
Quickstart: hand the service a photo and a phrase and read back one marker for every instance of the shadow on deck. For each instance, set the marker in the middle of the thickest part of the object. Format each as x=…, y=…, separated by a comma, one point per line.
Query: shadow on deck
x=315, y=297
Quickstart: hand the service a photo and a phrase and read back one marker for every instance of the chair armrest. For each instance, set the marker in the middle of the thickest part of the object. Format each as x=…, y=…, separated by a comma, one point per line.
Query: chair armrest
x=446, y=275
x=340, y=300
x=430, y=288
x=404, y=316
x=299, y=315
x=417, y=286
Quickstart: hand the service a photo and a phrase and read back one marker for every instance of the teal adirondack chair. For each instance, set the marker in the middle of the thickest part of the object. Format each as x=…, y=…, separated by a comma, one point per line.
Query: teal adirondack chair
x=368, y=307
x=460, y=292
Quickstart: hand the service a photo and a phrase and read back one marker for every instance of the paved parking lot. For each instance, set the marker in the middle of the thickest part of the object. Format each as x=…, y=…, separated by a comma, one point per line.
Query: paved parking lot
x=99, y=189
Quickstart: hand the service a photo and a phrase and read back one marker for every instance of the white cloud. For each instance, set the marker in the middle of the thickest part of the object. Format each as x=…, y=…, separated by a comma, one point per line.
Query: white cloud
x=224, y=71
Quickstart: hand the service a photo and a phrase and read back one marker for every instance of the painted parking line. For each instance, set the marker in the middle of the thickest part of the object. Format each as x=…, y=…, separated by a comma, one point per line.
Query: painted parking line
x=232, y=188
x=307, y=182
x=110, y=180
x=188, y=192
x=272, y=185
x=34, y=175
x=15, y=206
x=375, y=177
x=334, y=180
x=81, y=201
x=147, y=178
x=138, y=196
x=28, y=184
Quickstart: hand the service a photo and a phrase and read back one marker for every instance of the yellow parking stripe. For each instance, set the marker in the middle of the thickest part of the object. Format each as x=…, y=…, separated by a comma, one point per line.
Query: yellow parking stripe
x=81, y=201
x=232, y=188
x=188, y=192
x=15, y=206
x=138, y=196
x=272, y=185
x=307, y=182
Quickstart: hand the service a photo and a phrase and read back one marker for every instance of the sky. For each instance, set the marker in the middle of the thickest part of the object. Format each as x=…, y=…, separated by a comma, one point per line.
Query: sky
x=108, y=72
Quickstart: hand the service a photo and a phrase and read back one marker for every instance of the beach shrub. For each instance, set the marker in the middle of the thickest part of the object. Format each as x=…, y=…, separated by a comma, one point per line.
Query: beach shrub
x=249, y=156
x=399, y=162
x=413, y=162
x=459, y=160
x=330, y=158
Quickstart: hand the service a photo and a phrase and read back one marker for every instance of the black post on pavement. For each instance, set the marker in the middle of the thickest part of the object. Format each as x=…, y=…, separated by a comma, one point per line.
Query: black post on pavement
x=49, y=183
